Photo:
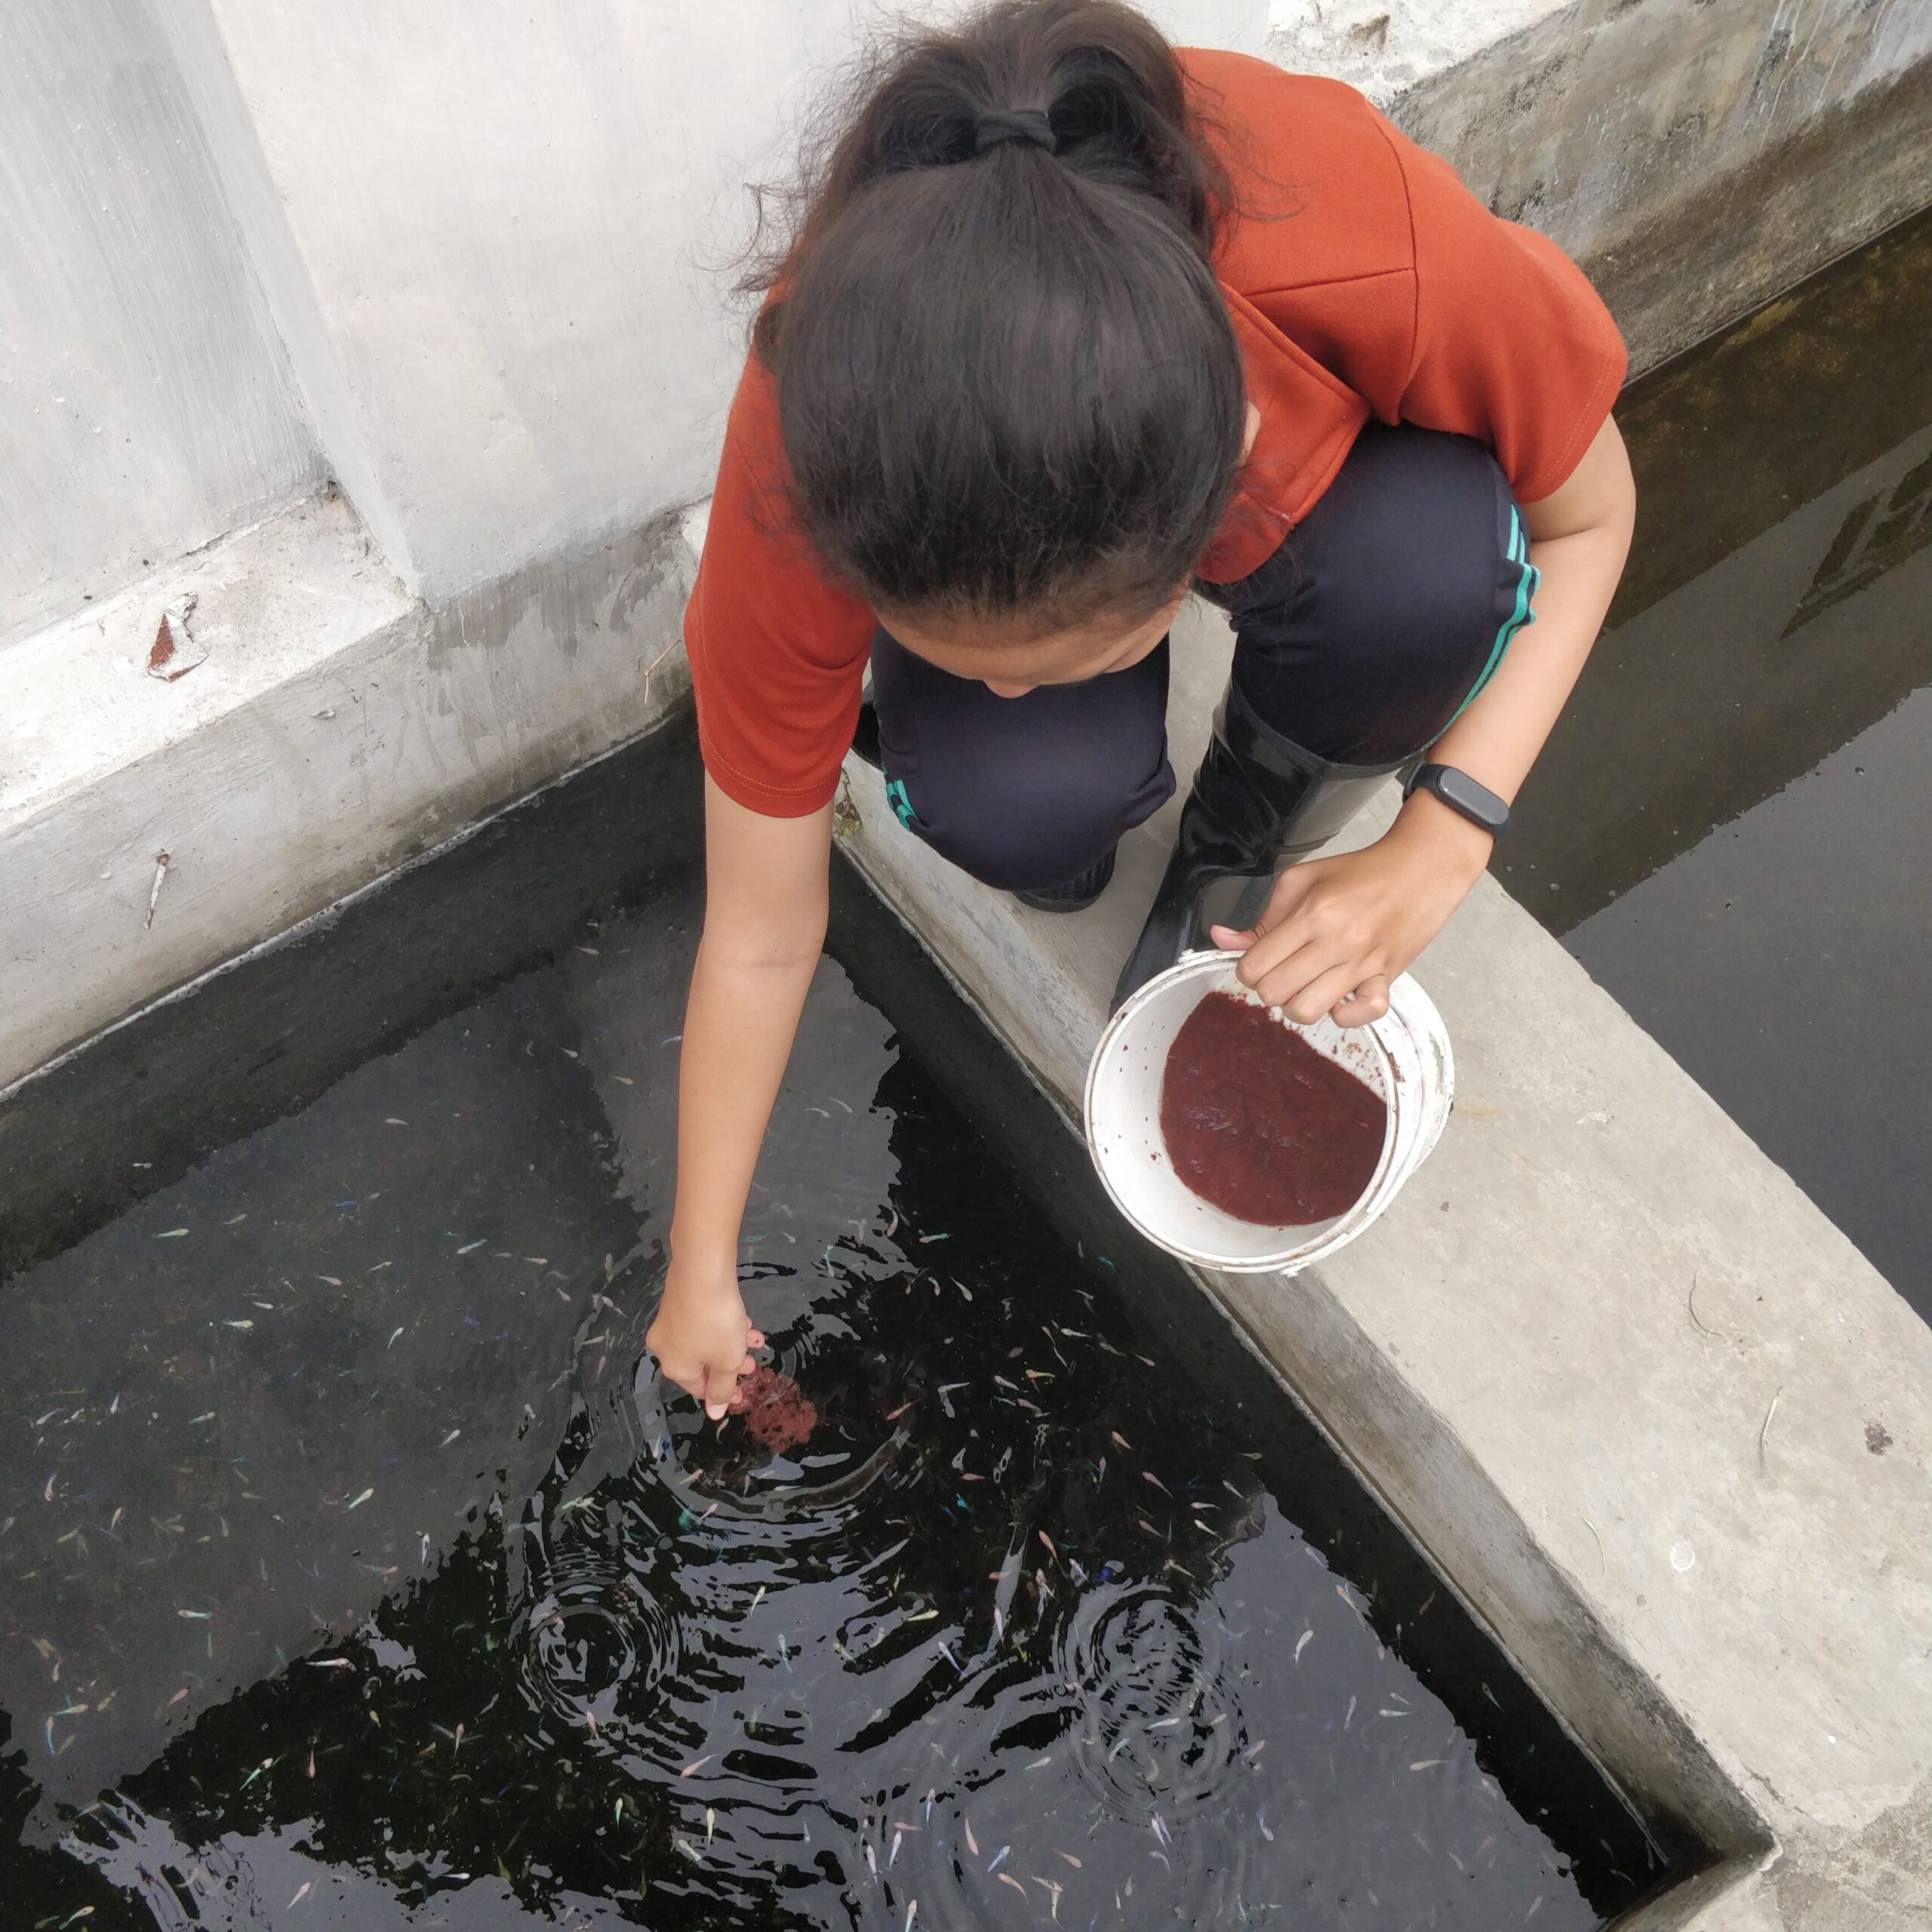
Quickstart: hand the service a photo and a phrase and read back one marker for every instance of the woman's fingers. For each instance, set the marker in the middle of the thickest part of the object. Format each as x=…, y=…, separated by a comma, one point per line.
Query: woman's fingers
x=1264, y=953
x=1306, y=1000
x=1369, y=1001
x=1310, y=978
x=1290, y=890
x=719, y=1389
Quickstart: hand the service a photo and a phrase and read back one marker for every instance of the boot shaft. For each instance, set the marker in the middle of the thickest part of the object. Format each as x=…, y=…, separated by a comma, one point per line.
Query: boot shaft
x=1266, y=796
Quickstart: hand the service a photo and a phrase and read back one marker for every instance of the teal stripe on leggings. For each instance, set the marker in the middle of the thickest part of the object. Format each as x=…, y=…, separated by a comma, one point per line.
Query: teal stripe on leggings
x=1526, y=591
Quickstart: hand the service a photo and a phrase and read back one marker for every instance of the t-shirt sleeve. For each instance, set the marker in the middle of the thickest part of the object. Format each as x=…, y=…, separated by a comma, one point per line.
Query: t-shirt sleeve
x=777, y=650
x=1512, y=344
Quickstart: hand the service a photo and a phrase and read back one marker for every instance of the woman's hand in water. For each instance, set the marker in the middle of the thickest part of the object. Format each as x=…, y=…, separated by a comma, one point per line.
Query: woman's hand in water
x=1337, y=931
x=703, y=1337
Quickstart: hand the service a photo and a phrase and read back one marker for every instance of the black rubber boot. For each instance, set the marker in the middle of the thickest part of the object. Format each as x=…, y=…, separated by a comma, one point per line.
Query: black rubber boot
x=1075, y=894
x=864, y=733
x=1258, y=800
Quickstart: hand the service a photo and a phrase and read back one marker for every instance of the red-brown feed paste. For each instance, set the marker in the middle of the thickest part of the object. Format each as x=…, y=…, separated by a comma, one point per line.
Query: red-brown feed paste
x=1260, y=1124
x=775, y=1409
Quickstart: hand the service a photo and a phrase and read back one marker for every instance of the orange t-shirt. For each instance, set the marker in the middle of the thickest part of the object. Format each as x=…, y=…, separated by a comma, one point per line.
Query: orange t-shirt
x=1363, y=279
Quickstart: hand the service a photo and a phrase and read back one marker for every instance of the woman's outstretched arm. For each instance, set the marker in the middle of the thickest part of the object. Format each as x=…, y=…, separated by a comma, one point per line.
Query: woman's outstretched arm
x=764, y=915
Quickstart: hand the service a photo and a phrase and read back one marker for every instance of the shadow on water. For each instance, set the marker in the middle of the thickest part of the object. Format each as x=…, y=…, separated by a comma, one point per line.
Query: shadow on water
x=1729, y=827
x=359, y=1572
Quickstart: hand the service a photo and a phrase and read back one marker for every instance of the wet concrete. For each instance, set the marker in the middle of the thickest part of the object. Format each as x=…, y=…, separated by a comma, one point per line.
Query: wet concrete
x=1729, y=827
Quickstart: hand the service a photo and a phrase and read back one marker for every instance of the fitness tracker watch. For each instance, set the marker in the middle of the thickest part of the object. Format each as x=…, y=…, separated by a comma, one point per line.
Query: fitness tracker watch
x=1461, y=793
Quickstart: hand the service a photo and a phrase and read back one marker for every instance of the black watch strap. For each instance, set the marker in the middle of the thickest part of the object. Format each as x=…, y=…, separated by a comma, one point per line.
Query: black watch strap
x=1460, y=793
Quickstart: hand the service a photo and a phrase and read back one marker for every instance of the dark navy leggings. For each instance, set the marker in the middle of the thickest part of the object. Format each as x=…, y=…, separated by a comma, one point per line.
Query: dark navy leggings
x=1386, y=610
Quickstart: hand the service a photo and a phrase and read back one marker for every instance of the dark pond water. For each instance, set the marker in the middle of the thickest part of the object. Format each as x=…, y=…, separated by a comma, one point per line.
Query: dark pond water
x=1732, y=827
x=358, y=1572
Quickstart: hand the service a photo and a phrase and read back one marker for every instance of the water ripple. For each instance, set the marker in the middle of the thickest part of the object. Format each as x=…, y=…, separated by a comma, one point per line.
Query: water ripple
x=1158, y=1728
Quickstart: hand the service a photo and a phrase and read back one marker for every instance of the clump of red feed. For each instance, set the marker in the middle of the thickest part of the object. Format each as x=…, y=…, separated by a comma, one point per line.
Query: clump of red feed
x=775, y=1409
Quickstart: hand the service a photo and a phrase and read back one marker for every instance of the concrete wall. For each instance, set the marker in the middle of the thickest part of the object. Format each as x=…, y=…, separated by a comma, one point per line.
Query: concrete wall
x=504, y=214
x=146, y=403
x=467, y=259
x=514, y=224
x=490, y=242
x=491, y=237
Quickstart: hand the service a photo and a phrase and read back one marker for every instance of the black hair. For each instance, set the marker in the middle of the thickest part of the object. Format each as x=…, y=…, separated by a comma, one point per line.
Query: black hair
x=1007, y=386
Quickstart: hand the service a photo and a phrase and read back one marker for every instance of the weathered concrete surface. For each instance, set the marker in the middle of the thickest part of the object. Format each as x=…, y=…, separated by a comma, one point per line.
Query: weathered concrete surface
x=145, y=404
x=337, y=728
x=1697, y=159
x=1666, y=1428
x=493, y=238
x=497, y=394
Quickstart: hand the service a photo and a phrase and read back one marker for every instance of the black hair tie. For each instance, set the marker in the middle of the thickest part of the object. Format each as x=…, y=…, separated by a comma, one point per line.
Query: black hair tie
x=1014, y=124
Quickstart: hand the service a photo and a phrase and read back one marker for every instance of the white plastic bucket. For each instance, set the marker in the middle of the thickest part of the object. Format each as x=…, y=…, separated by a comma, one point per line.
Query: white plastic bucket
x=1405, y=1057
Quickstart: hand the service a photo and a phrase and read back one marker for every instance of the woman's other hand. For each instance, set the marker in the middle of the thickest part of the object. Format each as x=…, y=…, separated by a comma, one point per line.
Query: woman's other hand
x=1337, y=931
x=703, y=1338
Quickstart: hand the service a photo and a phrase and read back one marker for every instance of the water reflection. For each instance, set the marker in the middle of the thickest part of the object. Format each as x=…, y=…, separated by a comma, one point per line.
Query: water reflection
x=1728, y=827
x=357, y=1553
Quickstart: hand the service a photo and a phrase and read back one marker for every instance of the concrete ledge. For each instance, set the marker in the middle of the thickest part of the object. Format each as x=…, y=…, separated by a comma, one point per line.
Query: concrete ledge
x=337, y=728
x=1610, y=1367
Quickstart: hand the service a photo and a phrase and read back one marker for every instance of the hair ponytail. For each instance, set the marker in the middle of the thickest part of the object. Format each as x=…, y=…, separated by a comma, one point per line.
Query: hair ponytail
x=1007, y=382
